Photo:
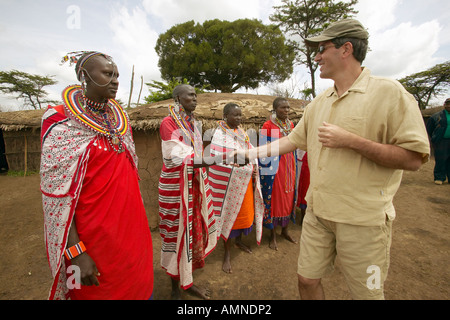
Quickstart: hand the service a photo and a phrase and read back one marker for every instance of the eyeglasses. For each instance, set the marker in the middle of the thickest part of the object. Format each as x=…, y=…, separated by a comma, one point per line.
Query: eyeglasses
x=321, y=49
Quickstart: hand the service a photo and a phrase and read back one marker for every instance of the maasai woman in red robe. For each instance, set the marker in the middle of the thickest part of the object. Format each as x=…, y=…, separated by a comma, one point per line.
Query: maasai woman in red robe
x=96, y=227
x=279, y=176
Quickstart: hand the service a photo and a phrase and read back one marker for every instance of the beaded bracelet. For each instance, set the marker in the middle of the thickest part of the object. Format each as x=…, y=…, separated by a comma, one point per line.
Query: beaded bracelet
x=75, y=250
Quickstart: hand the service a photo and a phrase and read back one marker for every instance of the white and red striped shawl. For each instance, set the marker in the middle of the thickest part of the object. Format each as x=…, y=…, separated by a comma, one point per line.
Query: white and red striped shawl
x=229, y=183
x=175, y=202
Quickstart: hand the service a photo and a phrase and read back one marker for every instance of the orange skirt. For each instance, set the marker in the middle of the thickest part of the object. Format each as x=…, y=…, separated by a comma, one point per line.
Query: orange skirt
x=246, y=214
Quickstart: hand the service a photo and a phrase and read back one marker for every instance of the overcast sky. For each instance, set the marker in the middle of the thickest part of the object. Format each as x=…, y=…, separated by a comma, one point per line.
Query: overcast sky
x=406, y=36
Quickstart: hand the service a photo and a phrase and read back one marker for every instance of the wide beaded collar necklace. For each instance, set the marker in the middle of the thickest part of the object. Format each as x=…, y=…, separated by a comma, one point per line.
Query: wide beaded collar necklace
x=239, y=135
x=107, y=119
x=285, y=126
x=184, y=122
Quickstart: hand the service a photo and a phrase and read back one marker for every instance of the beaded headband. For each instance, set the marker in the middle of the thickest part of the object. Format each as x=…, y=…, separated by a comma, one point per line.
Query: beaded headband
x=74, y=58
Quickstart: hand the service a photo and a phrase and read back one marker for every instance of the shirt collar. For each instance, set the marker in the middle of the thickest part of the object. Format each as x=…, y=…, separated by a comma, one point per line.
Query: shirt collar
x=360, y=84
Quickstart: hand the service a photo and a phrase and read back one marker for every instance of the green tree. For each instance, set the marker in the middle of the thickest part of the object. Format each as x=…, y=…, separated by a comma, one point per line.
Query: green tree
x=301, y=19
x=427, y=84
x=225, y=55
x=28, y=87
x=160, y=91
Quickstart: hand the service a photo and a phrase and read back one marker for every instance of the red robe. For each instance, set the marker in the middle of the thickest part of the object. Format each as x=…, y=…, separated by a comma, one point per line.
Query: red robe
x=187, y=224
x=280, y=193
x=112, y=223
x=84, y=181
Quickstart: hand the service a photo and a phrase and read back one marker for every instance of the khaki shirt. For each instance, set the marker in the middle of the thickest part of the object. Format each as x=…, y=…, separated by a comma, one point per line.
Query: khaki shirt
x=346, y=187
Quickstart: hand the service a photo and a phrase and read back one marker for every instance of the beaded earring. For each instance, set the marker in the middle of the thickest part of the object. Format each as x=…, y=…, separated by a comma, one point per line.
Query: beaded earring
x=83, y=83
x=177, y=106
x=273, y=116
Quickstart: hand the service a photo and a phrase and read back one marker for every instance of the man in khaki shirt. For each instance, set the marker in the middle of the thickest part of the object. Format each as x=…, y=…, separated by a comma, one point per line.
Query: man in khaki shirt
x=360, y=135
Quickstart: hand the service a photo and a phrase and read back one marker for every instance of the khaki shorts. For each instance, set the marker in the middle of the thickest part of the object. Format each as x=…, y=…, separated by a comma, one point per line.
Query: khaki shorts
x=363, y=253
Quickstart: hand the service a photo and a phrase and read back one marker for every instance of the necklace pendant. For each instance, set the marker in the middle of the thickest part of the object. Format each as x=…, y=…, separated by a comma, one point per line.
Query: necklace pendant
x=115, y=141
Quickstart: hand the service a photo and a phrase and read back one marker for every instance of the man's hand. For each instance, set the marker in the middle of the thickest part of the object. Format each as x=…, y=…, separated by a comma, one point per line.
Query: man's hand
x=238, y=158
x=332, y=136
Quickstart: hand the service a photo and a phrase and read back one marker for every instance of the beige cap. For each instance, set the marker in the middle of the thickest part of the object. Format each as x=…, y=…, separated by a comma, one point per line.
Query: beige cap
x=348, y=28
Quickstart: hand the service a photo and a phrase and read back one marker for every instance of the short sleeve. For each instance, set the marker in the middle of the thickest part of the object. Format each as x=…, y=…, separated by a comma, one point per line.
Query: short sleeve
x=407, y=127
x=298, y=135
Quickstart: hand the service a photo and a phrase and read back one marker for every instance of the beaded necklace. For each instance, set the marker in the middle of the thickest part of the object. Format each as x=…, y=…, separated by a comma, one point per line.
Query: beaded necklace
x=106, y=118
x=285, y=127
x=239, y=135
x=184, y=122
x=94, y=106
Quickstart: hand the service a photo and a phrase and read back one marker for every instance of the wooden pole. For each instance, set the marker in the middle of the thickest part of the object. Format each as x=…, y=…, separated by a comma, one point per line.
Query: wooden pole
x=139, y=97
x=26, y=155
x=131, y=89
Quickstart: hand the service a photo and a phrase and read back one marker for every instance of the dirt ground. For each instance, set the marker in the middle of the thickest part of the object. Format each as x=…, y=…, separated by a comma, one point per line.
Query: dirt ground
x=419, y=256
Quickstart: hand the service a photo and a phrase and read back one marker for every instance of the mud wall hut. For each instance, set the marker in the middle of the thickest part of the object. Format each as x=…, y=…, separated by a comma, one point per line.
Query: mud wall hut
x=21, y=131
x=21, y=136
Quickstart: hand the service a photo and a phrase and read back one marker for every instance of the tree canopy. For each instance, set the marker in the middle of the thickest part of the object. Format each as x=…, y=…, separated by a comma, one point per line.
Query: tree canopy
x=301, y=19
x=28, y=87
x=225, y=55
x=427, y=84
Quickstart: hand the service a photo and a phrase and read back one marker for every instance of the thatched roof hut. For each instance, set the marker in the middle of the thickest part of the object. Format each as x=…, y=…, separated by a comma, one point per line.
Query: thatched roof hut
x=21, y=134
x=255, y=110
x=17, y=120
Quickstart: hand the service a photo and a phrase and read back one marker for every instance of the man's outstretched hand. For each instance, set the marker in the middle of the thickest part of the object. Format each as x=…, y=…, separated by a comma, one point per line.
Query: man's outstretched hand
x=237, y=158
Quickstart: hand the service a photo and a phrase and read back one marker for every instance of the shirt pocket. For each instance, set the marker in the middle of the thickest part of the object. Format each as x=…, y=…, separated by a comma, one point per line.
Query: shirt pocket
x=354, y=124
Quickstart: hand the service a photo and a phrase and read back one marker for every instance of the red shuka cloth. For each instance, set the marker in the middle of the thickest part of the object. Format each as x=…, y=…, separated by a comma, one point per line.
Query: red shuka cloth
x=282, y=202
x=112, y=223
